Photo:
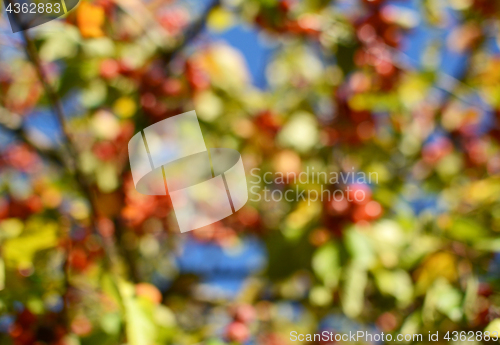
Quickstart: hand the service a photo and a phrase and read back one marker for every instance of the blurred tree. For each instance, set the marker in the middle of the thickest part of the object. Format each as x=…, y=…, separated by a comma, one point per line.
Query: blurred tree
x=405, y=91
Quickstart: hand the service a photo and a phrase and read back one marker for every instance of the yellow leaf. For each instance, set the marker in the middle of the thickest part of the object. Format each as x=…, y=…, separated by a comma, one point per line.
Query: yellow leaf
x=438, y=265
x=220, y=19
x=11, y=227
x=2, y=274
x=38, y=235
x=90, y=19
x=494, y=326
x=124, y=107
x=107, y=177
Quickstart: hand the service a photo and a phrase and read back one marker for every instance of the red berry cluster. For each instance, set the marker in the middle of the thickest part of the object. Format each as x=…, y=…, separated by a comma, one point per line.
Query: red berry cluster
x=238, y=330
x=31, y=329
x=281, y=18
x=356, y=207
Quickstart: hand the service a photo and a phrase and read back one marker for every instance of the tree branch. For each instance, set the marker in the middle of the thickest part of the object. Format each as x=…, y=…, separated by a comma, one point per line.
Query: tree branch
x=70, y=146
x=21, y=135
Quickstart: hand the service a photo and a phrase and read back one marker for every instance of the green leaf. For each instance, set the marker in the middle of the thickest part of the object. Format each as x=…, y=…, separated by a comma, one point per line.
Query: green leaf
x=140, y=329
x=470, y=299
x=296, y=222
x=60, y=44
x=396, y=283
x=444, y=298
x=95, y=94
x=101, y=47
x=411, y=324
x=110, y=323
x=467, y=230
x=488, y=244
x=359, y=247
x=326, y=264
x=353, y=290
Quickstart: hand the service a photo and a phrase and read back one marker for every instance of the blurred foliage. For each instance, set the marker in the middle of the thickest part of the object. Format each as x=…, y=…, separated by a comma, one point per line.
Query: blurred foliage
x=92, y=261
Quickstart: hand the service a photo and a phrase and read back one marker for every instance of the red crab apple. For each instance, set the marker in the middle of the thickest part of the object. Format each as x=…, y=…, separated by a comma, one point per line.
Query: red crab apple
x=172, y=87
x=245, y=313
x=149, y=291
x=109, y=69
x=237, y=331
x=104, y=150
x=78, y=259
x=373, y=2
x=359, y=194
